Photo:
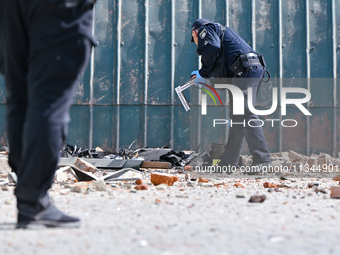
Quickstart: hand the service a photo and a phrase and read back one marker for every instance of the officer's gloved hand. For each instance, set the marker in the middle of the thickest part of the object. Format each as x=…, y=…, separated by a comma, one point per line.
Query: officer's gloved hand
x=199, y=79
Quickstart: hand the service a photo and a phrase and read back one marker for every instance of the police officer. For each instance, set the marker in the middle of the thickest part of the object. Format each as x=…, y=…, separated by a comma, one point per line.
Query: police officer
x=224, y=54
x=45, y=46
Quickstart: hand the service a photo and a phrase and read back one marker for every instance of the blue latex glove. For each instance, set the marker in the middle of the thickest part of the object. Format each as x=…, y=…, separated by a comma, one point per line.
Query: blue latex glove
x=197, y=73
x=199, y=78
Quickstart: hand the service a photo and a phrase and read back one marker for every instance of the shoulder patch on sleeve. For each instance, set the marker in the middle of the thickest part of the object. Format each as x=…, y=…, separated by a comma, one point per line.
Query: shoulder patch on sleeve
x=203, y=33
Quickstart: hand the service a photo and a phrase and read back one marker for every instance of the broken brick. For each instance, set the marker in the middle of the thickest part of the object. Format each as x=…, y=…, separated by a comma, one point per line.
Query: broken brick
x=269, y=185
x=203, y=180
x=220, y=184
x=335, y=192
x=157, y=178
x=238, y=185
x=141, y=187
x=188, y=168
x=85, y=166
x=139, y=182
x=337, y=178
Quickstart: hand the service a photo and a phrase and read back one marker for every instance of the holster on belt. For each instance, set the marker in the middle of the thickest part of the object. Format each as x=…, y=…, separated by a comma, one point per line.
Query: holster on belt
x=245, y=61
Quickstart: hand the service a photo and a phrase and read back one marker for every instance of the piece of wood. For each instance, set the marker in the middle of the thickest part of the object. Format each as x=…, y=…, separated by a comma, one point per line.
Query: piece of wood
x=155, y=164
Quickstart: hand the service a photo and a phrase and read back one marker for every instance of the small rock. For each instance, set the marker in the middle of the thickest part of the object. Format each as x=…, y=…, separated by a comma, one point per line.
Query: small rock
x=64, y=191
x=8, y=201
x=98, y=185
x=257, y=199
x=129, y=185
x=4, y=188
x=206, y=185
x=162, y=187
x=241, y=194
x=321, y=190
x=119, y=183
x=133, y=191
x=187, y=177
x=191, y=184
x=182, y=196
x=310, y=185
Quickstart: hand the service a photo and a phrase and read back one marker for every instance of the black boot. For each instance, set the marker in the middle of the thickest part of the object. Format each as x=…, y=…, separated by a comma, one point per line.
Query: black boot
x=32, y=216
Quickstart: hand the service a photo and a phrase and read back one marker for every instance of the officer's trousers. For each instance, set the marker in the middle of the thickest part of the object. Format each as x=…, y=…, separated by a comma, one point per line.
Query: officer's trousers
x=246, y=126
x=44, y=49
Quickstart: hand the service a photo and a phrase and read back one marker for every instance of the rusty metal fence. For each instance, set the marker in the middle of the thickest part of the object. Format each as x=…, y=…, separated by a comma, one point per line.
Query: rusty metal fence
x=127, y=93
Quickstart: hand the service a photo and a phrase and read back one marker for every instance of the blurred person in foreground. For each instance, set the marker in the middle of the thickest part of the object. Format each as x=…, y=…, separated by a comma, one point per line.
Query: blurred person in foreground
x=44, y=47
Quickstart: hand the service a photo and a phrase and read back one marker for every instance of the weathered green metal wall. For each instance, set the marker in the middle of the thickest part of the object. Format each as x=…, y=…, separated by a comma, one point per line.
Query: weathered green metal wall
x=127, y=92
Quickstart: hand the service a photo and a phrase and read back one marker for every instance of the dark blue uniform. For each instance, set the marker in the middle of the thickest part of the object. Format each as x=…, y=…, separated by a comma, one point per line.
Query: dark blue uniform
x=209, y=47
x=45, y=46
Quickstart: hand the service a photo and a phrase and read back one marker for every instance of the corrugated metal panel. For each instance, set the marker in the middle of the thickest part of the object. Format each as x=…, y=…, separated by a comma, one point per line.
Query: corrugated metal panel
x=127, y=92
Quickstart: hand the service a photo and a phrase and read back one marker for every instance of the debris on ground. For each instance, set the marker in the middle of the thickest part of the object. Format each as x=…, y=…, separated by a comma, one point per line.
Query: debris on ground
x=166, y=171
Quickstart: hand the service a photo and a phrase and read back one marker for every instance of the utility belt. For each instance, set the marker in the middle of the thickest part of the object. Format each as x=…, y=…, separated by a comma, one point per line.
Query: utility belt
x=245, y=62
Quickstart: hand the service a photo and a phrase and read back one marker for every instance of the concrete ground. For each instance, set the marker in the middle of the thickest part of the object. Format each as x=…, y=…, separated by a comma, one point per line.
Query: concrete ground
x=186, y=220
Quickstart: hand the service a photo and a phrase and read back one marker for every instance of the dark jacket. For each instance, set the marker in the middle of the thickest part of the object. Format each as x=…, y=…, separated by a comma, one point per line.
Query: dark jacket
x=209, y=47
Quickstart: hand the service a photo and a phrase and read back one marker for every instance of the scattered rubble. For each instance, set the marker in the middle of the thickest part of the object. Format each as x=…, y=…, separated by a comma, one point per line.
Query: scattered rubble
x=84, y=171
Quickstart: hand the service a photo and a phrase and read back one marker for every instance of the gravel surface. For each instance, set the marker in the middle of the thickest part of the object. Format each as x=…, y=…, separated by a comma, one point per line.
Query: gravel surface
x=186, y=218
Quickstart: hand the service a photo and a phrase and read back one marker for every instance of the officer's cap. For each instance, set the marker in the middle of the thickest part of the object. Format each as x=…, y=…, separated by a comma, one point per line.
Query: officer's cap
x=197, y=24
